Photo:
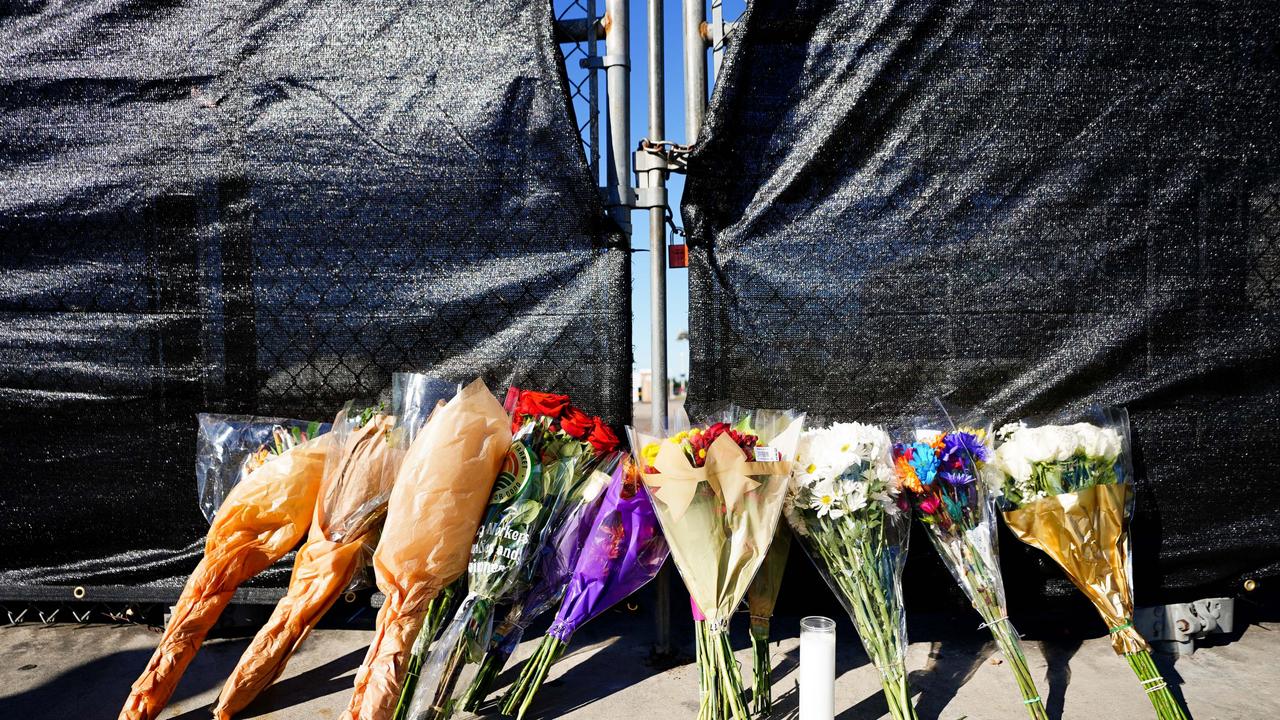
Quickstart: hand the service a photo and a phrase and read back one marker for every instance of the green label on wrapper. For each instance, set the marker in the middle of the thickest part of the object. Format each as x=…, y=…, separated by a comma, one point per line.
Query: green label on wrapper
x=503, y=543
x=516, y=471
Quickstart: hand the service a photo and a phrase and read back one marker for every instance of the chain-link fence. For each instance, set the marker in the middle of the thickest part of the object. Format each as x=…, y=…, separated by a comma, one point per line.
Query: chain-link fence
x=208, y=210
x=1031, y=207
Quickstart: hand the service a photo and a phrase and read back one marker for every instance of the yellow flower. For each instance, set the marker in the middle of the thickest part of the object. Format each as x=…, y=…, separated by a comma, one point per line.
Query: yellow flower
x=811, y=468
x=649, y=453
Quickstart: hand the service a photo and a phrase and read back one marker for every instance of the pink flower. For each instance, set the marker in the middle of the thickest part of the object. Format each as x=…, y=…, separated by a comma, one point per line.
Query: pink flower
x=929, y=505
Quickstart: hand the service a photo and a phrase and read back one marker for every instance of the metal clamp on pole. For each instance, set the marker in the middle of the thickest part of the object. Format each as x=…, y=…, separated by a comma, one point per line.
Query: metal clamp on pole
x=715, y=32
x=662, y=155
x=577, y=30
x=604, y=62
x=653, y=163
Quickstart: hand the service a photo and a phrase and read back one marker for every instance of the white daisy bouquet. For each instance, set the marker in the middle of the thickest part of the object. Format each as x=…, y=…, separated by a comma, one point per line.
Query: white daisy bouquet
x=843, y=504
x=1067, y=491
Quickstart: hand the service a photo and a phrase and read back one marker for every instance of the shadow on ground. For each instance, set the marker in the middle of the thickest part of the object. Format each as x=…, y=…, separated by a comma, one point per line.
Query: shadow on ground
x=98, y=688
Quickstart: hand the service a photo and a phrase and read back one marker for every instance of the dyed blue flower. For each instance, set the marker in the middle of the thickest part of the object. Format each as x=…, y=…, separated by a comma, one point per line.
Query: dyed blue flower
x=958, y=479
x=963, y=446
x=924, y=462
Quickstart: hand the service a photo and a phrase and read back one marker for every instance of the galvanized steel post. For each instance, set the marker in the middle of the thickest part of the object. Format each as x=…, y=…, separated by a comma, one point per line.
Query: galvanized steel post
x=695, y=68
x=658, y=288
x=617, y=65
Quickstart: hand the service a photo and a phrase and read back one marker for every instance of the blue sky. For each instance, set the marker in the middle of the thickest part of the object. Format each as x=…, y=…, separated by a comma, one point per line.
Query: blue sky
x=677, y=280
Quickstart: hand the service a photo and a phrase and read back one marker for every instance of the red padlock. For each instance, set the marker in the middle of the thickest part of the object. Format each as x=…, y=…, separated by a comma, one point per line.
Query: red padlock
x=678, y=256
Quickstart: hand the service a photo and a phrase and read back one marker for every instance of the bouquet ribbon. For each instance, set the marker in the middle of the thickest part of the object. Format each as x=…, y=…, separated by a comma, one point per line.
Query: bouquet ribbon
x=1084, y=532
x=727, y=471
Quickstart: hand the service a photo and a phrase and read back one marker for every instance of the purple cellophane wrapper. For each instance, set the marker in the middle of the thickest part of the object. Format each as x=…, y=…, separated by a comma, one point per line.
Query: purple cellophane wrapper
x=621, y=550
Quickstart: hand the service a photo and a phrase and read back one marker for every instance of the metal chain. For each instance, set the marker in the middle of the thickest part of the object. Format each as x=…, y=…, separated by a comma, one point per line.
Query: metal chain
x=673, y=153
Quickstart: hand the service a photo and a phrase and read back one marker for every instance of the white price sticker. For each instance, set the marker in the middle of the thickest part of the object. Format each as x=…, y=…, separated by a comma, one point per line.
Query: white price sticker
x=767, y=454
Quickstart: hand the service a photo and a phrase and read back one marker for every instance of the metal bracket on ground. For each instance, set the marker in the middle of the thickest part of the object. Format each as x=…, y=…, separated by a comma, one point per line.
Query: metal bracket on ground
x=1175, y=628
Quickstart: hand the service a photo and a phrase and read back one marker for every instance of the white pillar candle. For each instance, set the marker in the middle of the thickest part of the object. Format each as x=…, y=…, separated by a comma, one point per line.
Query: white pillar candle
x=817, y=668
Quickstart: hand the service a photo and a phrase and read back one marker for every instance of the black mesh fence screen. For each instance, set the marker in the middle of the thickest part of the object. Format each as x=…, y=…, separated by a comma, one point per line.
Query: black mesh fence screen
x=268, y=208
x=1031, y=204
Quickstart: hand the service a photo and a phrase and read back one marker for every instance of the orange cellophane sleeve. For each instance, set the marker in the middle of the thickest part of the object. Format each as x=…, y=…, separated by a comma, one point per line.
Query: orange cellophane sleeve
x=263, y=518
x=439, y=497
x=325, y=564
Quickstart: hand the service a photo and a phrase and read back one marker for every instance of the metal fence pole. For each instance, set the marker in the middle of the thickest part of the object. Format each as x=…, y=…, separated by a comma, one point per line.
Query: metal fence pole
x=658, y=290
x=695, y=69
x=716, y=36
x=617, y=64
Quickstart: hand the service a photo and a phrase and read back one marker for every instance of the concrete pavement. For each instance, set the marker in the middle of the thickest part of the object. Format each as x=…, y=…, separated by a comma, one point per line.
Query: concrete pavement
x=84, y=672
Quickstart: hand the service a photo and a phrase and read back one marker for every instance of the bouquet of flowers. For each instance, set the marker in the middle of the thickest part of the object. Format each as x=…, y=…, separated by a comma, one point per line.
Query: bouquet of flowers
x=762, y=596
x=264, y=514
x=718, y=493
x=539, y=476
x=613, y=549
x=586, y=473
x=364, y=455
x=324, y=564
x=944, y=475
x=546, y=593
x=435, y=507
x=844, y=506
x=1067, y=491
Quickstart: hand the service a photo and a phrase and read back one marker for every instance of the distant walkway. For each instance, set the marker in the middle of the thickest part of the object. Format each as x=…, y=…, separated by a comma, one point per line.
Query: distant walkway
x=642, y=411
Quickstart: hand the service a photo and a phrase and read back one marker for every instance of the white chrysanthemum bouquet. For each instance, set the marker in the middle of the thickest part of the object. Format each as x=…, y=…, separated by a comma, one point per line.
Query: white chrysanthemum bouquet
x=843, y=504
x=1068, y=491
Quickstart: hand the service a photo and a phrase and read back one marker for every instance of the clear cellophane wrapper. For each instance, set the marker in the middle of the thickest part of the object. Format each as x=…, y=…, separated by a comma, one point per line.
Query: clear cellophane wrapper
x=845, y=515
x=967, y=540
x=863, y=567
x=225, y=444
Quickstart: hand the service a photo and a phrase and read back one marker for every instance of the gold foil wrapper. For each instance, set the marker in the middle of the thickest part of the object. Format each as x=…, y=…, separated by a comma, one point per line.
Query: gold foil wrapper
x=1084, y=532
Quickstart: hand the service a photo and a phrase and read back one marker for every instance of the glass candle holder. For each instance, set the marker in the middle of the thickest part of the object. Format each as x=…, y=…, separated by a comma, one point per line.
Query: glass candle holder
x=817, y=668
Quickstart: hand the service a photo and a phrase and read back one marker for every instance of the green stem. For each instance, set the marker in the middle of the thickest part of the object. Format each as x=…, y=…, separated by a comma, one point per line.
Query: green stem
x=553, y=652
x=730, y=676
x=967, y=561
x=490, y=667
x=528, y=672
x=858, y=565
x=709, y=695
x=1166, y=705
x=412, y=673
x=761, y=689
x=474, y=615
